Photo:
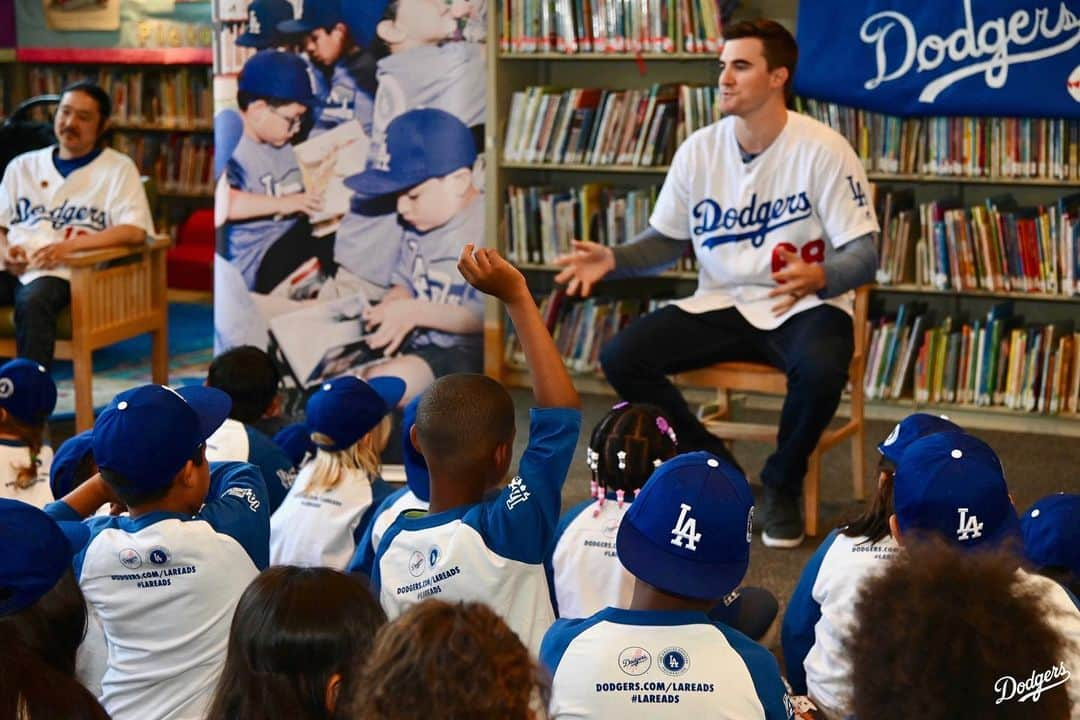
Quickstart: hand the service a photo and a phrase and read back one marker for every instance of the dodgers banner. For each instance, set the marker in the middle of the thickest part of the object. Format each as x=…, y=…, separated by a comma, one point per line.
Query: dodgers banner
x=949, y=57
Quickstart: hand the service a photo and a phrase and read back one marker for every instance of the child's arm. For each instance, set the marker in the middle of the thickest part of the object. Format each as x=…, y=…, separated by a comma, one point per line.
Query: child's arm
x=84, y=500
x=488, y=272
x=802, y=615
x=246, y=205
x=237, y=505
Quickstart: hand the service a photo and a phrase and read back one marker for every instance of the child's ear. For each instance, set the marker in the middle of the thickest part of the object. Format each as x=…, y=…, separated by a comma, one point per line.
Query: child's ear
x=504, y=454
x=273, y=410
x=894, y=528
x=333, y=690
x=389, y=32
x=413, y=440
x=460, y=181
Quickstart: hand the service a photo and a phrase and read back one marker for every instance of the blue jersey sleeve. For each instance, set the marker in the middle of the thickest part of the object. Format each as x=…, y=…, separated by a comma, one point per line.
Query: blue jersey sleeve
x=364, y=558
x=277, y=470
x=520, y=522
x=802, y=614
x=549, y=561
x=764, y=672
x=558, y=638
x=237, y=506
x=60, y=511
x=380, y=490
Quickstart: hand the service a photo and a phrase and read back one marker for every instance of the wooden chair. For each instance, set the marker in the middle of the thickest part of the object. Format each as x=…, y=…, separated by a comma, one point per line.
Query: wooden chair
x=726, y=377
x=116, y=293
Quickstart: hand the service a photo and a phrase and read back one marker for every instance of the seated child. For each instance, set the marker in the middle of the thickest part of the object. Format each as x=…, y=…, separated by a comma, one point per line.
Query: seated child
x=821, y=605
x=474, y=543
x=1051, y=529
x=248, y=376
x=165, y=579
x=686, y=540
x=299, y=636
x=25, y=408
x=331, y=503
x=414, y=496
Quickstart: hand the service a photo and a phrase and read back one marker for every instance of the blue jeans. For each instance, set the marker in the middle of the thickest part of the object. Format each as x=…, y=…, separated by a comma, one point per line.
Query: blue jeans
x=37, y=305
x=813, y=348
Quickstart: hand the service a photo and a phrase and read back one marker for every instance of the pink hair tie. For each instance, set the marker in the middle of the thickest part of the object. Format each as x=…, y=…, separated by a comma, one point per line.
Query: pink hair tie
x=620, y=495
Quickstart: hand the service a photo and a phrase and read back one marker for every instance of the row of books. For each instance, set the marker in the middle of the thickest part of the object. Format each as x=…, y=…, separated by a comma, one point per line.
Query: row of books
x=999, y=360
x=613, y=26
x=596, y=126
x=991, y=147
x=998, y=246
x=170, y=97
x=178, y=163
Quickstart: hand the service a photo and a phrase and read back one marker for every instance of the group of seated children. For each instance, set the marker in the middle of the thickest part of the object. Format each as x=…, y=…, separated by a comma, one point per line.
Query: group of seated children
x=185, y=570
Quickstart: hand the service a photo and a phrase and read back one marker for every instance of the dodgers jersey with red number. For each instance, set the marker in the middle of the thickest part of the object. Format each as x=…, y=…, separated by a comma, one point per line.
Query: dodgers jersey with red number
x=807, y=192
x=39, y=206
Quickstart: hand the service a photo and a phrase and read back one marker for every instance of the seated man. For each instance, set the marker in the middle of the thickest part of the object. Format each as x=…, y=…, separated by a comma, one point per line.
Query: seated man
x=75, y=195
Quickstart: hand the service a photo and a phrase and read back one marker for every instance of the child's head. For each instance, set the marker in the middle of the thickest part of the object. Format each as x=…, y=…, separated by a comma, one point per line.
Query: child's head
x=626, y=446
x=416, y=470
x=263, y=17
x=150, y=443
x=951, y=485
x=27, y=399
x=298, y=636
x=412, y=23
x=1051, y=531
x=688, y=532
x=248, y=376
x=41, y=605
x=274, y=93
x=322, y=22
x=349, y=422
x=427, y=161
x=73, y=464
x=465, y=428
x=448, y=660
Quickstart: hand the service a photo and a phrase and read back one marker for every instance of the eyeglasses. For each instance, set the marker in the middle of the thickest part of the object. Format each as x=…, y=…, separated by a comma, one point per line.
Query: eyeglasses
x=294, y=122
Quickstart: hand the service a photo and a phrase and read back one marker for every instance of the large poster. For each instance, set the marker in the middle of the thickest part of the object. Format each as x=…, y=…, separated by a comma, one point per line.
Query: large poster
x=1016, y=58
x=349, y=139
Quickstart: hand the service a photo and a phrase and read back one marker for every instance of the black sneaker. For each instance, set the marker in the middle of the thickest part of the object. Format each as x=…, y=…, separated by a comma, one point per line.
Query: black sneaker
x=781, y=521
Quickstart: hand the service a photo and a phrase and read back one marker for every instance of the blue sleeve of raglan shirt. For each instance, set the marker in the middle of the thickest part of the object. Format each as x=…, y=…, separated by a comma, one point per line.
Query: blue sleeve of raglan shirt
x=364, y=557
x=519, y=523
x=549, y=559
x=61, y=512
x=802, y=614
x=558, y=638
x=237, y=506
x=277, y=470
x=380, y=490
x=764, y=672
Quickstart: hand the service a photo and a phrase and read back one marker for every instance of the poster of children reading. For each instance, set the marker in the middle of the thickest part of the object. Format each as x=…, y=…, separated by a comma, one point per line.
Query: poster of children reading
x=349, y=140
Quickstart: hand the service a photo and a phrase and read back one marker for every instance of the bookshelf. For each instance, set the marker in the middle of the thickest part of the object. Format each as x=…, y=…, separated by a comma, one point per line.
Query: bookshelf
x=1031, y=171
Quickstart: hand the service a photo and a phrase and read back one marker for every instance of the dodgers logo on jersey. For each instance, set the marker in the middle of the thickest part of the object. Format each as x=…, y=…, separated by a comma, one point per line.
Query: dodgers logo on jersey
x=76, y=216
x=752, y=222
x=416, y=563
x=635, y=660
x=244, y=494
x=685, y=529
x=519, y=493
x=674, y=661
x=970, y=527
x=130, y=558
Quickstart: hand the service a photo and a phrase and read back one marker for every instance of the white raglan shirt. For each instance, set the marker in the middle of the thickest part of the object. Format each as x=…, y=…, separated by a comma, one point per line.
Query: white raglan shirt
x=40, y=207
x=584, y=570
x=807, y=192
x=630, y=664
x=492, y=551
x=386, y=513
x=15, y=454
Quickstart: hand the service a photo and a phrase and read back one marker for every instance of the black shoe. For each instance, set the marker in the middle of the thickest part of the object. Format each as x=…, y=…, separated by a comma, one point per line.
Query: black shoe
x=781, y=521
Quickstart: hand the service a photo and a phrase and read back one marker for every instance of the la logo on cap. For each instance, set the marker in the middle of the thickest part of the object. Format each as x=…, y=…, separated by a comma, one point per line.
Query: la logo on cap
x=253, y=23
x=970, y=527
x=685, y=529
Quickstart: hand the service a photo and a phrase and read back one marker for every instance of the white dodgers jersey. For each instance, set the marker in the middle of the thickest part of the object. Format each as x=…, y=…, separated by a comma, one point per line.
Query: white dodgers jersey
x=584, y=570
x=644, y=664
x=493, y=551
x=806, y=193
x=386, y=513
x=14, y=455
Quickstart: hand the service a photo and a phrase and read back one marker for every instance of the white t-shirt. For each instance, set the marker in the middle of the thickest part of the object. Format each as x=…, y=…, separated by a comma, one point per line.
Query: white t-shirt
x=807, y=192
x=584, y=570
x=15, y=454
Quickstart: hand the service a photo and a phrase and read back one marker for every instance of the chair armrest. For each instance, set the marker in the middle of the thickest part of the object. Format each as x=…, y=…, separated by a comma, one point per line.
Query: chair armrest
x=86, y=258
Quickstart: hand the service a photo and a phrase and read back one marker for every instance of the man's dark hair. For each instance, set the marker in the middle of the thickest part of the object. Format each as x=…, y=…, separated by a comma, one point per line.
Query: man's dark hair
x=133, y=497
x=462, y=418
x=778, y=45
x=104, y=102
x=248, y=375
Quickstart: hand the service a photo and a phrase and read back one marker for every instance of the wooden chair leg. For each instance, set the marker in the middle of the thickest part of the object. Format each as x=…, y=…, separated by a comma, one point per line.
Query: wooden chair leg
x=159, y=356
x=858, y=462
x=811, y=491
x=83, y=363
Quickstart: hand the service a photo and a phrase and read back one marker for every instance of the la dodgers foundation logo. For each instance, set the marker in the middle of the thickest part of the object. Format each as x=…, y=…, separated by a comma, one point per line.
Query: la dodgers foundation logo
x=674, y=661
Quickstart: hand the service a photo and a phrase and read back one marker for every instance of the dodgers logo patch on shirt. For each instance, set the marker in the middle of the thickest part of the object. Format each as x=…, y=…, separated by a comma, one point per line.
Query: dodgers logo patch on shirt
x=751, y=222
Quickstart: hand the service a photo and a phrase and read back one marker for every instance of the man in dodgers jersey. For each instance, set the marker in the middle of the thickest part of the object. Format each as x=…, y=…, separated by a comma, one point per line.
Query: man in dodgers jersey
x=475, y=544
x=777, y=208
x=686, y=540
x=165, y=580
x=75, y=195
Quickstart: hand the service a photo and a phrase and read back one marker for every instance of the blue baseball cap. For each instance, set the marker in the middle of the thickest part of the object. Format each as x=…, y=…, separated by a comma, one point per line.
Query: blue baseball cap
x=295, y=441
x=37, y=552
x=146, y=434
x=362, y=18
x=952, y=484
x=420, y=144
x=416, y=470
x=910, y=429
x=1051, y=531
x=688, y=531
x=276, y=75
x=346, y=408
x=264, y=16
x=316, y=14
x=27, y=391
x=66, y=461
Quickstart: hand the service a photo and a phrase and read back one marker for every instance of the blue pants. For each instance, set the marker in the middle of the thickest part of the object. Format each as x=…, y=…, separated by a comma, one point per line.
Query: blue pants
x=37, y=305
x=813, y=348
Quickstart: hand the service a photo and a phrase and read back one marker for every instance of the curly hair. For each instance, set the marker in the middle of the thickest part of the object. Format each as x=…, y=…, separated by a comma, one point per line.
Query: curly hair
x=937, y=634
x=451, y=661
x=627, y=445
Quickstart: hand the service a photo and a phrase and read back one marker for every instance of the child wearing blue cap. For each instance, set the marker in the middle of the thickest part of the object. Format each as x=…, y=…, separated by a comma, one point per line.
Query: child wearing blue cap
x=42, y=616
x=431, y=318
x=27, y=399
x=330, y=505
x=483, y=539
x=821, y=606
x=165, y=579
x=1051, y=530
x=686, y=540
x=414, y=496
